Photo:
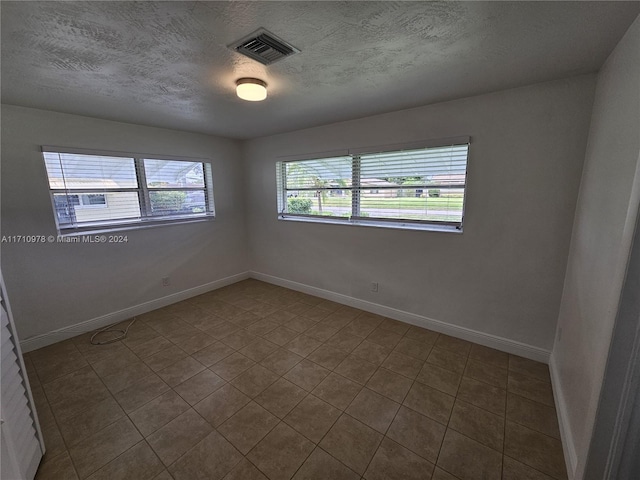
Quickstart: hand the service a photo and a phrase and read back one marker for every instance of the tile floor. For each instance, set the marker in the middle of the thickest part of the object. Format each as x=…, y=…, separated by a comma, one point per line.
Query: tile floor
x=255, y=381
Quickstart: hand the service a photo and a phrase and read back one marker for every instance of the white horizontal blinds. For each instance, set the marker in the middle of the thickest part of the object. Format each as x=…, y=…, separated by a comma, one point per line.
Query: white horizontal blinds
x=318, y=187
x=175, y=188
x=89, y=189
x=103, y=190
x=419, y=185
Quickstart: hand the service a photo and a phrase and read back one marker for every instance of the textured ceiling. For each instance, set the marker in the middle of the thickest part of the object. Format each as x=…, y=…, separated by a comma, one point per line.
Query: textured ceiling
x=166, y=63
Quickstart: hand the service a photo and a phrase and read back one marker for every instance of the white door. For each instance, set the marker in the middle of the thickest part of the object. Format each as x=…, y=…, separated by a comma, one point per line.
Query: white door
x=22, y=447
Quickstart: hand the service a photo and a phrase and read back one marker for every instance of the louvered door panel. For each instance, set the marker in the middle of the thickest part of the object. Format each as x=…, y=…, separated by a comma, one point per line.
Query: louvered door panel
x=21, y=447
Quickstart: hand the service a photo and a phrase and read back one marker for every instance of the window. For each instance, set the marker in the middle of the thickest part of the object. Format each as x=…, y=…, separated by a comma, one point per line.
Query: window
x=97, y=192
x=408, y=188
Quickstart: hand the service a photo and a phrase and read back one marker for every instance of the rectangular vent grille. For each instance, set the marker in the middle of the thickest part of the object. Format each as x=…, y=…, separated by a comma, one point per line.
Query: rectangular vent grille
x=264, y=47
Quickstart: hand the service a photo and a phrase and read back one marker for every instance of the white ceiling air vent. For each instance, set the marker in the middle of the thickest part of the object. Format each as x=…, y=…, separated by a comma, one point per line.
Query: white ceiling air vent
x=264, y=47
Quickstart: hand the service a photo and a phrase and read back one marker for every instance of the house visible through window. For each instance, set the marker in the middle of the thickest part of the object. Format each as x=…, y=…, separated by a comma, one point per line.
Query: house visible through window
x=92, y=191
x=401, y=188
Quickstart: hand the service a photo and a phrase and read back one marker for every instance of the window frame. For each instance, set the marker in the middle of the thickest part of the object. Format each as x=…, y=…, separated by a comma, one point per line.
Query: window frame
x=146, y=219
x=356, y=188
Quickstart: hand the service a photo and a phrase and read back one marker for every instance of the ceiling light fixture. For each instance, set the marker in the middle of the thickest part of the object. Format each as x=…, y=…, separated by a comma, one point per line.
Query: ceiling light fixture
x=251, y=89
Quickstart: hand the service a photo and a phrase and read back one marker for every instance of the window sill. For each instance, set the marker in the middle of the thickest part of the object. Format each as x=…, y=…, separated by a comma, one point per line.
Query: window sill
x=137, y=225
x=377, y=224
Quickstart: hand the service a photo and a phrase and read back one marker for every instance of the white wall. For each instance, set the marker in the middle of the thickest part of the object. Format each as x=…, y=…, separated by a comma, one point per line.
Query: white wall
x=503, y=276
x=52, y=286
x=601, y=239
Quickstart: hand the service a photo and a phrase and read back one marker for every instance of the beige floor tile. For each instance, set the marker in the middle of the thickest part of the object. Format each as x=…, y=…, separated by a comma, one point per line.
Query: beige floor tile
x=115, y=364
x=395, y=326
x=63, y=388
x=439, y=378
x=312, y=417
x=439, y=474
x=281, y=397
x=210, y=459
x=529, y=368
x=337, y=390
x=259, y=350
x=322, y=466
x=78, y=401
x=486, y=373
x=138, y=462
x=322, y=331
x=281, y=452
x=262, y=327
x=239, y=339
x=53, y=440
x=422, y=335
x=213, y=353
x=53, y=367
x=489, y=356
x=383, y=337
x=165, y=475
x=254, y=381
x=307, y=375
x=373, y=409
x=221, y=330
x=403, y=364
x=144, y=391
x=164, y=358
x=60, y=468
x=482, y=395
x=514, y=470
x=303, y=345
x=232, y=366
x=535, y=449
x=281, y=361
x=199, y=386
x=195, y=342
x=179, y=435
x=430, y=402
x=469, y=460
x=418, y=433
x=371, y=352
x=344, y=341
x=221, y=404
x=531, y=388
x=300, y=324
x=281, y=335
x=316, y=313
x=361, y=327
x=356, y=369
x=394, y=462
x=125, y=378
x=150, y=347
x=413, y=348
x=390, y=384
x=103, y=446
x=78, y=427
x=478, y=424
x=453, y=344
x=447, y=359
x=281, y=317
x=248, y=426
x=158, y=412
x=327, y=356
x=245, y=470
x=180, y=371
x=534, y=415
x=352, y=442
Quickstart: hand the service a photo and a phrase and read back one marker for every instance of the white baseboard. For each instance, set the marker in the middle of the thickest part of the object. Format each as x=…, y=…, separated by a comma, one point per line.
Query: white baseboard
x=568, y=444
x=39, y=341
x=492, y=341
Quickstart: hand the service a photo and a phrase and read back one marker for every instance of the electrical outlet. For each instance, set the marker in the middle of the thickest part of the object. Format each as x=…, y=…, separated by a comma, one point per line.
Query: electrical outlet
x=374, y=287
x=165, y=281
